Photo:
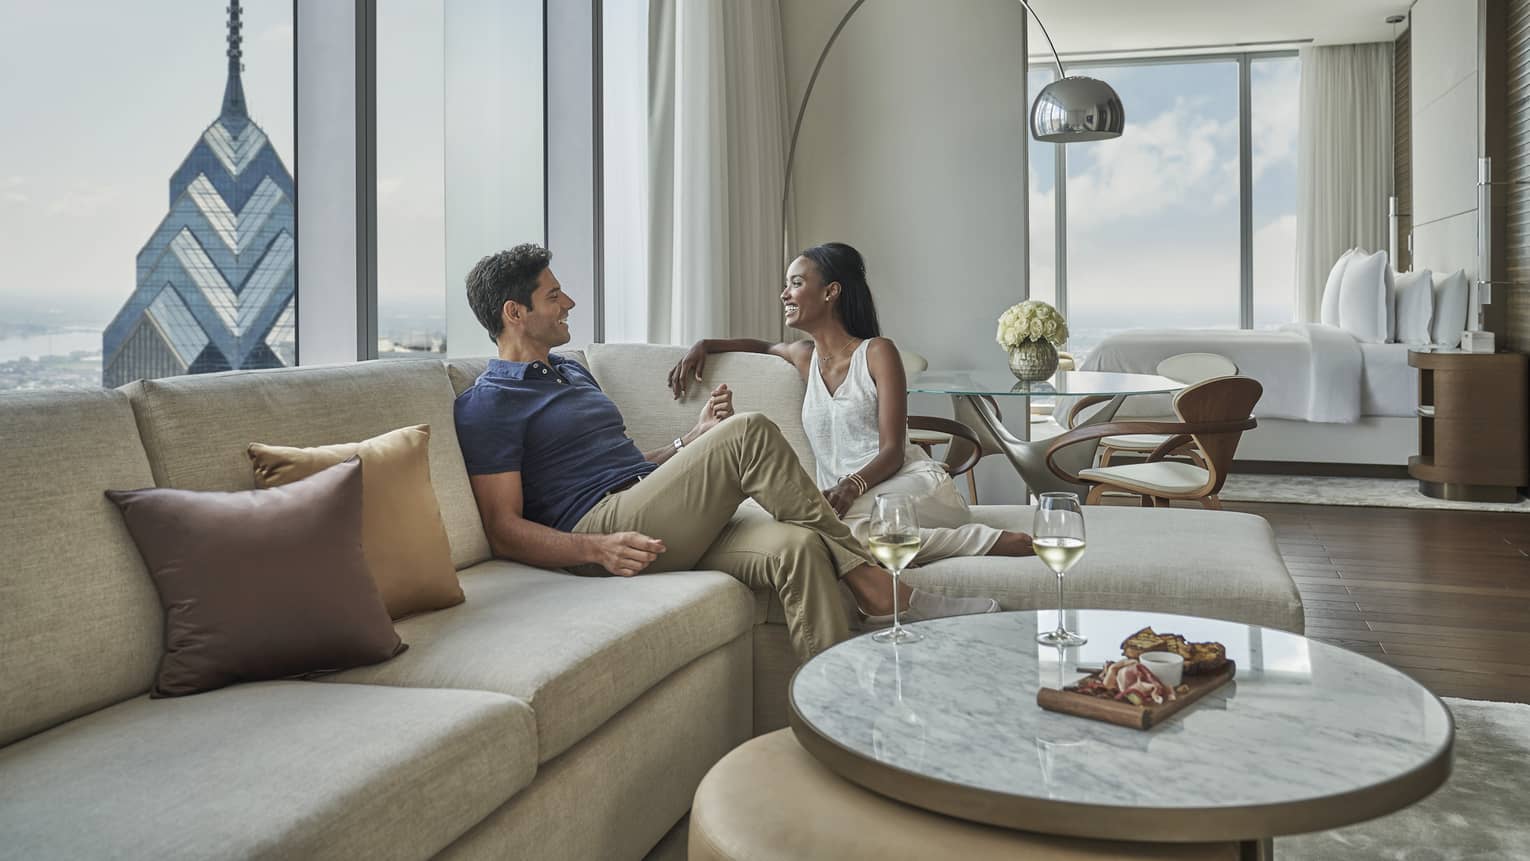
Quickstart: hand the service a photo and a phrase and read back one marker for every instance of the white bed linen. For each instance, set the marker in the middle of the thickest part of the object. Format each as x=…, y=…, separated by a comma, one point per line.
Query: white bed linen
x=1388, y=387
x=1310, y=372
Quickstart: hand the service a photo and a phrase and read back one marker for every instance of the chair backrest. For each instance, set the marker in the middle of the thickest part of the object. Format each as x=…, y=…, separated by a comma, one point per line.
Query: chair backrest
x=1190, y=368
x=1220, y=399
x=962, y=452
x=913, y=363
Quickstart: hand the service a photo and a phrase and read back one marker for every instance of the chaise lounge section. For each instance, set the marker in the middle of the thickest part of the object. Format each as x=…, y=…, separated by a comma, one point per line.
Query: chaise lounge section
x=547, y=715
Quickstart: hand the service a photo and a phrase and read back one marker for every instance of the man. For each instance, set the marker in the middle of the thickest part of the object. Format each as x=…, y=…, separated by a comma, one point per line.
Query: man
x=560, y=485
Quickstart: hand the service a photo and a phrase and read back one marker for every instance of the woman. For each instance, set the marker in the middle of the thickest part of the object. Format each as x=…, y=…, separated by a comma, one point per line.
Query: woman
x=856, y=410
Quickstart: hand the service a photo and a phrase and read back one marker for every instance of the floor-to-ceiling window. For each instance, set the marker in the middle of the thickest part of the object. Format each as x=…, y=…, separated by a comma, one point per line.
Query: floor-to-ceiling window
x=411, y=178
x=460, y=160
x=146, y=190
x=1156, y=229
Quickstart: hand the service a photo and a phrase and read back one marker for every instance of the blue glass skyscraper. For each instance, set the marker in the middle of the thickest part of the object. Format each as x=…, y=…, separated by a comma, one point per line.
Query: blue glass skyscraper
x=216, y=280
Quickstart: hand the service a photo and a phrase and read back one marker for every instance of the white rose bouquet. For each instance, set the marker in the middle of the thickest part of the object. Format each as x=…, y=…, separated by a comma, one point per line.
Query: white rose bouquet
x=1031, y=321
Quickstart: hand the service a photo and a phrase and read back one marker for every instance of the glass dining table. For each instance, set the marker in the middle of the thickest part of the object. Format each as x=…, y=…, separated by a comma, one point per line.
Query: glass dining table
x=973, y=395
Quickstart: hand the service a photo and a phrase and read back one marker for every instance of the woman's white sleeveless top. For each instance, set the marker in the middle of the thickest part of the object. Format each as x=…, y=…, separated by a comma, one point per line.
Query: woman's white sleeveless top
x=842, y=427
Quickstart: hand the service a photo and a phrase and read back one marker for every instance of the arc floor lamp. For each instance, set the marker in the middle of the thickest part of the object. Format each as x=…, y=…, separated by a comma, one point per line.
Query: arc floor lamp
x=1071, y=109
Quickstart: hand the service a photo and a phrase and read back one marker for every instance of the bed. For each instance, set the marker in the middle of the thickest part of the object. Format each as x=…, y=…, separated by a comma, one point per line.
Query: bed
x=1328, y=397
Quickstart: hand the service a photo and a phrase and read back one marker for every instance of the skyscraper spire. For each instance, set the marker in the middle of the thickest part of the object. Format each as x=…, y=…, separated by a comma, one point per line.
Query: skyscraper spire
x=233, y=92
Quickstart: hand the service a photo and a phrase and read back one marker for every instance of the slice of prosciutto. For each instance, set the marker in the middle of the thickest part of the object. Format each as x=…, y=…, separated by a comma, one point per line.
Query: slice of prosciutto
x=1130, y=677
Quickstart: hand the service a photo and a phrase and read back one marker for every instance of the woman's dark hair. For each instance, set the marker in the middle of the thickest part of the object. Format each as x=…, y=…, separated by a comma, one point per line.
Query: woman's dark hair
x=837, y=261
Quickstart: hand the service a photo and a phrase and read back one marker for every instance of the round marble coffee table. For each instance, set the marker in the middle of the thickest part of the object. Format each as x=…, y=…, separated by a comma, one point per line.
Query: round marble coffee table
x=1308, y=737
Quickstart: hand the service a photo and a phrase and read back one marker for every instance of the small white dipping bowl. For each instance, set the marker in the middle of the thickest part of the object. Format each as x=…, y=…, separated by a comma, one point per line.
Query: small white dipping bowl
x=1167, y=666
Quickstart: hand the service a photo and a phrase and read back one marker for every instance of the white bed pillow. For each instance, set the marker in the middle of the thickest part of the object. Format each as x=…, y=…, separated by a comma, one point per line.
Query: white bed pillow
x=1329, y=315
x=1363, y=297
x=1450, y=300
x=1414, y=298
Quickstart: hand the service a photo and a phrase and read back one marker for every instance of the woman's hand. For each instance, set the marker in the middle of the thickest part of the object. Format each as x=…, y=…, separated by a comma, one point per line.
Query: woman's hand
x=841, y=496
x=692, y=365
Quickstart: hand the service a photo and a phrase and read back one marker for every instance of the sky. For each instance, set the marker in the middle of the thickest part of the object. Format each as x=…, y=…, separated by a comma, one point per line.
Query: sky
x=101, y=103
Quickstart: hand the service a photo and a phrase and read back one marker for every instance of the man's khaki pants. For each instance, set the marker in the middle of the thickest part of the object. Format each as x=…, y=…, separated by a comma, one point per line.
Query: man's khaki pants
x=689, y=504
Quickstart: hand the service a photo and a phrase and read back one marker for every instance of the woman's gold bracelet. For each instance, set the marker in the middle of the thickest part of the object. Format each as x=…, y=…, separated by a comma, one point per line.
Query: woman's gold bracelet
x=859, y=482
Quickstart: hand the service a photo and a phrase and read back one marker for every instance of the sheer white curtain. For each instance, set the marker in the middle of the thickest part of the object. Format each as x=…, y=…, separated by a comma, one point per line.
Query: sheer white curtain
x=1344, y=160
x=717, y=132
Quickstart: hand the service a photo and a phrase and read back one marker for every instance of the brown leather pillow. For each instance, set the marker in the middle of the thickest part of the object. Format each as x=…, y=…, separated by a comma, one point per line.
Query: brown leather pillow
x=401, y=530
x=260, y=584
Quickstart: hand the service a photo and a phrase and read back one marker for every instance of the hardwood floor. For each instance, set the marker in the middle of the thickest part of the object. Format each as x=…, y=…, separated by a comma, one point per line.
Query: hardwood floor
x=1444, y=596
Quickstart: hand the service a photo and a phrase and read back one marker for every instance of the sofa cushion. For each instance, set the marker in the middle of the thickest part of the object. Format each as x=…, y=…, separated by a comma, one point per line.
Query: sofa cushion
x=578, y=649
x=1217, y=564
x=402, y=534
x=267, y=770
x=79, y=620
x=260, y=584
x=633, y=375
x=196, y=428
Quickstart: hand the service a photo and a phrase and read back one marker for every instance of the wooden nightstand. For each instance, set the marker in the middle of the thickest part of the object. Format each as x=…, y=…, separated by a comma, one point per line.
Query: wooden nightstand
x=1472, y=442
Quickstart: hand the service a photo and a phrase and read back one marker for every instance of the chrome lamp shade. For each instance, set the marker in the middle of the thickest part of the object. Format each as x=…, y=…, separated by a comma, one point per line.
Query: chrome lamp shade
x=1074, y=109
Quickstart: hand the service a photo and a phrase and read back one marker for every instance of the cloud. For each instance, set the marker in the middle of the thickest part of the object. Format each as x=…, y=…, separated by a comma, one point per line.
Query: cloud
x=16, y=197
x=1179, y=157
x=1275, y=102
x=1275, y=270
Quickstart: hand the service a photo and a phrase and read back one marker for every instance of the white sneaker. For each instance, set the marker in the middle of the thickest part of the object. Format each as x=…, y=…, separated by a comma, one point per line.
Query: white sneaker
x=931, y=605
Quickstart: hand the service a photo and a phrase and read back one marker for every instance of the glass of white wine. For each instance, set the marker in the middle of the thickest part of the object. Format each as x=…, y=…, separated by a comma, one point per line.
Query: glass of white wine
x=1058, y=536
x=895, y=541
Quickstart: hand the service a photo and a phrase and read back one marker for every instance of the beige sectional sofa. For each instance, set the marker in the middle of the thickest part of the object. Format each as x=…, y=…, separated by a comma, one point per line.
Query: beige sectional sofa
x=548, y=716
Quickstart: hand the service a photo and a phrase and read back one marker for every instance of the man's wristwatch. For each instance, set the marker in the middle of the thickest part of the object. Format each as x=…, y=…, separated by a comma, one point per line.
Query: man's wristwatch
x=679, y=443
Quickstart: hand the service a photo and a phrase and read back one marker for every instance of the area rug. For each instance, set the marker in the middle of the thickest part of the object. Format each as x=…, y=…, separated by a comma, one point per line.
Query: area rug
x=1326, y=490
x=1478, y=815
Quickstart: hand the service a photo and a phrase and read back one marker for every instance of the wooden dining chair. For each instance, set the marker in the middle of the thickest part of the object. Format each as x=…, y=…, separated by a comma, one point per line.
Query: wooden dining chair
x=1187, y=368
x=1213, y=414
x=962, y=449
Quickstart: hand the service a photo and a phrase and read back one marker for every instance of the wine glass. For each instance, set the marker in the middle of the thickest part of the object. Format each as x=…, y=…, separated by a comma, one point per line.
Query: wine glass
x=1058, y=536
x=895, y=541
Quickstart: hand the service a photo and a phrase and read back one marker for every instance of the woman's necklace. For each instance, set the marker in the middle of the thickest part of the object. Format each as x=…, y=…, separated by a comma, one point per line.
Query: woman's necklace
x=842, y=351
x=823, y=366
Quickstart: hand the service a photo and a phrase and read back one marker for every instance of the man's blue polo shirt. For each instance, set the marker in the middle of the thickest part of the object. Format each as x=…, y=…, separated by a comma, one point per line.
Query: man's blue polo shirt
x=556, y=428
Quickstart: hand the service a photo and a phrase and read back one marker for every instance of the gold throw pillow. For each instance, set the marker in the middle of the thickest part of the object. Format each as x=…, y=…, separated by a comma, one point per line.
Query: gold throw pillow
x=403, y=538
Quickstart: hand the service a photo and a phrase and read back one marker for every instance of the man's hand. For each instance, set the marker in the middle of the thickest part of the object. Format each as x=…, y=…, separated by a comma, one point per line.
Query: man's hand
x=719, y=406
x=841, y=496
x=692, y=365
x=625, y=554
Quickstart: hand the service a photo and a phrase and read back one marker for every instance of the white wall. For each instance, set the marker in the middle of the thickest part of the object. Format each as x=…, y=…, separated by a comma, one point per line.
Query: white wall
x=1445, y=135
x=912, y=151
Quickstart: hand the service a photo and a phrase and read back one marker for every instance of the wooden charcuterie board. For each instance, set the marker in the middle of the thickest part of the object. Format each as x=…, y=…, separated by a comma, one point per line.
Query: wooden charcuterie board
x=1123, y=713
